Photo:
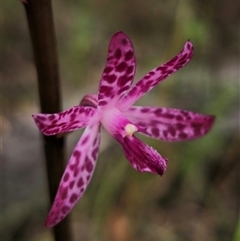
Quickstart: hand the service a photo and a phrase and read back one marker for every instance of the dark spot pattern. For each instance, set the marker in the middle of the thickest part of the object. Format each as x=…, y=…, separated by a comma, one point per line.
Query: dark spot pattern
x=71, y=184
x=118, y=72
x=160, y=123
x=64, y=192
x=76, y=176
x=159, y=74
x=73, y=198
x=65, y=209
x=85, y=140
x=66, y=177
x=69, y=120
x=80, y=182
x=143, y=157
x=89, y=166
x=170, y=124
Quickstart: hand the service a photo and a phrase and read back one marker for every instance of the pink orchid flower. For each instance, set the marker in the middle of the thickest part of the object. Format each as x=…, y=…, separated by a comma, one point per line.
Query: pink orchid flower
x=113, y=109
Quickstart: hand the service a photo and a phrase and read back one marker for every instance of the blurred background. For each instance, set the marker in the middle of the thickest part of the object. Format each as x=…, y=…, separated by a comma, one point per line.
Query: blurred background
x=198, y=197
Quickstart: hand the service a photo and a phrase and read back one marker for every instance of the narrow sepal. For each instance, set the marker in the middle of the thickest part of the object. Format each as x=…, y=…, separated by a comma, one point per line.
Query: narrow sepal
x=77, y=175
x=143, y=157
x=119, y=71
x=170, y=124
x=156, y=75
x=72, y=119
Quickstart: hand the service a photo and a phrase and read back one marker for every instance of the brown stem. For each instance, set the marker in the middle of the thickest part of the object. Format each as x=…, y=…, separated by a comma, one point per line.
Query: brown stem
x=41, y=27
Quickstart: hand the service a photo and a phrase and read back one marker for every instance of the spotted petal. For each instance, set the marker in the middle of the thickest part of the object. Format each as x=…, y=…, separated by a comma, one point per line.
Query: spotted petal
x=72, y=119
x=156, y=75
x=119, y=71
x=170, y=124
x=142, y=157
x=77, y=175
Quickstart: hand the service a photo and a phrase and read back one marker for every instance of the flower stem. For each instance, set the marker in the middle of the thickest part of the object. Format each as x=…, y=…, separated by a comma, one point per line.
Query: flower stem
x=41, y=27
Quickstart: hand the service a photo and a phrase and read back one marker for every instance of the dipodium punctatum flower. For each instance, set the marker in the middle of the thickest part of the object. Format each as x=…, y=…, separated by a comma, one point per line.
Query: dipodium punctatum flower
x=113, y=109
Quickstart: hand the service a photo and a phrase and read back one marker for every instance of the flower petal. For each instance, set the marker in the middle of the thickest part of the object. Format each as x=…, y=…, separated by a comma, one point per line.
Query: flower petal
x=72, y=119
x=119, y=70
x=170, y=124
x=77, y=175
x=143, y=157
x=156, y=75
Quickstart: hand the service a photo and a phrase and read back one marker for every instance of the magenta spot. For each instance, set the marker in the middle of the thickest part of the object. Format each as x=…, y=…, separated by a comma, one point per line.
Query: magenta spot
x=158, y=112
x=102, y=102
x=55, y=130
x=65, y=209
x=118, y=54
x=76, y=171
x=40, y=118
x=183, y=58
x=63, y=192
x=63, y=114
x=162, y=68
x=73, y=198
x=145, y=110
x=41, y=126
x=75, y=110
x=180, y=126
x=110, y=78
x=82, y=190
x=122, y=80
x=179, y=118
x=121, y=67
x=130, y=78
x=89, y=166
x=123, y=89
x=95, y=141
x=180, y=64
x=165, y=133
x=155, y=131
x=77, y=162
x=62, y=124
x=80, y=182
x=77, y=154
x=185, y=113
x=88, y=177
x=124, y=42
x=171, y=130
x=183, y=135
x=82, y=110
x=72, y=167
x=51, y=117
x=143, y=124
x=129, y=69
x=147, y=76
x=107, y=70
x=196, y=125
x=70, y=111
x=66, y=177
x=129, y=55
x=172, y=61
x=72, y=117
x=107, y=90
x=85, y=140
x=151, y=73
x=168, y=115
x=94, y=153
x=71, y=184
x=73, y=123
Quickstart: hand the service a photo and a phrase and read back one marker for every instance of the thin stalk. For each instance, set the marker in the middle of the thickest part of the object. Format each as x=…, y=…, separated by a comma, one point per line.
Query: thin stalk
x=41, y=27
